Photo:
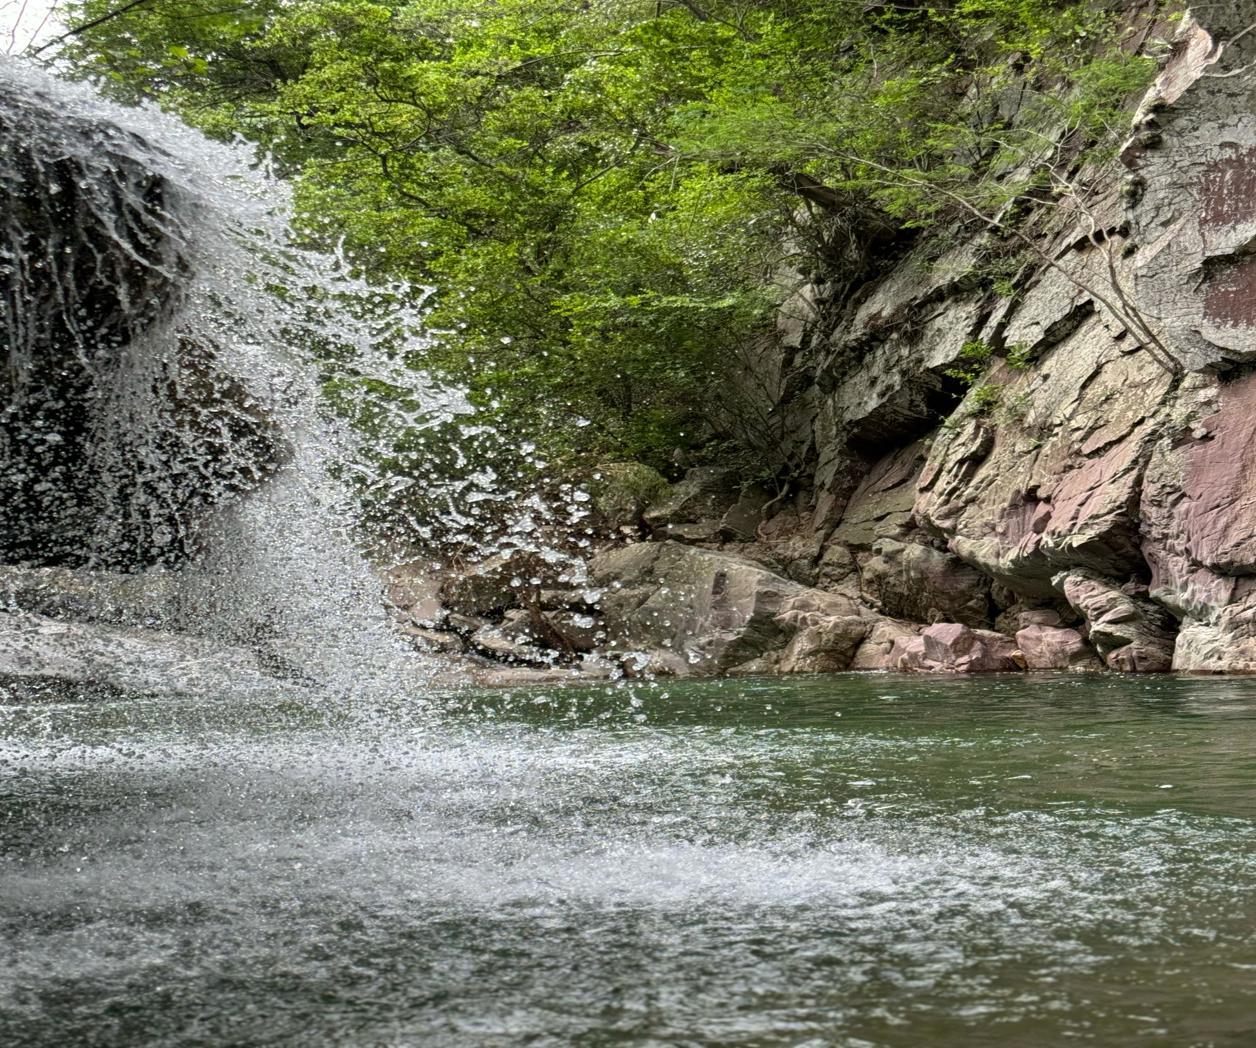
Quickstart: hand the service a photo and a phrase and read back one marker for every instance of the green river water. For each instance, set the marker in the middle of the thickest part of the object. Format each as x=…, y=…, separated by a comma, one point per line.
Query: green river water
x=851, y=860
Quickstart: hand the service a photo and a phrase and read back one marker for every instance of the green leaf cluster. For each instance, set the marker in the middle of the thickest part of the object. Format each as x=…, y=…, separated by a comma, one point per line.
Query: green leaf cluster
x=610, y=195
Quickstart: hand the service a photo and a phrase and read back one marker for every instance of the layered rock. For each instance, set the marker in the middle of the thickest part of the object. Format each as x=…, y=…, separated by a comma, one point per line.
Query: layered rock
x=1091, y=494
x=953, y=648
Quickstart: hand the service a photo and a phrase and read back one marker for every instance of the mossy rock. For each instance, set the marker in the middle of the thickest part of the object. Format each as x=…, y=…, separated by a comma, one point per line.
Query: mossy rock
x=621, y=491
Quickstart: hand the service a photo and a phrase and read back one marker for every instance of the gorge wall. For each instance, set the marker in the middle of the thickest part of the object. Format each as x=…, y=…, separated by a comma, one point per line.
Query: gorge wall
x=1085, y=497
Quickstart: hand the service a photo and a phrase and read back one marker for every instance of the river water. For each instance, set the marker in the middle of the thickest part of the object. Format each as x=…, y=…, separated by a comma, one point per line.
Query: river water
x=847, y=860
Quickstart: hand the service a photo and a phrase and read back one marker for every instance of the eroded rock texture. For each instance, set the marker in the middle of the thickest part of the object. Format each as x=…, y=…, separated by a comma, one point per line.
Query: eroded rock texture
x=1092, y=497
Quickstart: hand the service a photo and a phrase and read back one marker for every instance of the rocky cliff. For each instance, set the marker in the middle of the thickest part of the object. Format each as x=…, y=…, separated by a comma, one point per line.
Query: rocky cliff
x=1056, y=470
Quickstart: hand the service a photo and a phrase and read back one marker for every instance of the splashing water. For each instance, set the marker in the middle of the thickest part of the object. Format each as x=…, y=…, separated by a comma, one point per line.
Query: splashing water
x=168, y=345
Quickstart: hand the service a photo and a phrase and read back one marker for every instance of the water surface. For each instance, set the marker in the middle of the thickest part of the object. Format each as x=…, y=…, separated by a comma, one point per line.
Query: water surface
x=846, y=860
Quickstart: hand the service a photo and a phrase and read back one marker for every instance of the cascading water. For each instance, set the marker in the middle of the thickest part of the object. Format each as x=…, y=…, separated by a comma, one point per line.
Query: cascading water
x=162, y=376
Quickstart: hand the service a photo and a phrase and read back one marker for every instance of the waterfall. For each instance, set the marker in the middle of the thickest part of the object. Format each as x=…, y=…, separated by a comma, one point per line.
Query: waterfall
x=167, y=342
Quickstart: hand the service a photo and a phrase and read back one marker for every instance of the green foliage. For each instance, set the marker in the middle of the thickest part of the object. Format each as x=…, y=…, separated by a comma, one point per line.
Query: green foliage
x=601, y=190
x=972, y=361
x=983, y=399
x=1019, y=356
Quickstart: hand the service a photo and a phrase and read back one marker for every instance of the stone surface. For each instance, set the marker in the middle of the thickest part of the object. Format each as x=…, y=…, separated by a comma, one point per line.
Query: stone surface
x=96, y=383
x=1193, y=218
x=878, y=651
x=1131, y=633
x=705, y=494
x=507, y=645
x=911, y=581
x=148, y=598
x=1055, y=648
x=954, y=648
x=711, y=609
x=713, y=612
x=133, y=660
x=1023, y=498
x=501, y=581
x=414, y=588
x=425, y=639
x=825, y=646
x=882, y=503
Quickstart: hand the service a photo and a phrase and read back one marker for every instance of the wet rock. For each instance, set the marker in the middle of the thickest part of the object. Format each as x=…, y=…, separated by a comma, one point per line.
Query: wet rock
x=569, y=599
x=506, y=645
x=591, y=668
x=465, y=625
x=709, y=610
x=577, y=631
x=1055, y=648
x=502, y=581
x=425, y=639
x=95, y=380
x=878, y=651
x=954, y=648
x=826, y=646
x=145, y=599
x=1131, y=633
x=133, y=660
x=415, y=589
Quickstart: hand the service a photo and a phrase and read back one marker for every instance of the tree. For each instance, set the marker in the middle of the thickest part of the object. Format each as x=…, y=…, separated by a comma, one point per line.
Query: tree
x=601, y=190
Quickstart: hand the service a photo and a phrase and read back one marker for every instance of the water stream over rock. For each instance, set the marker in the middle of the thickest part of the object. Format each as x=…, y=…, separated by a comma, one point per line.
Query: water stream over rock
x=165, y=339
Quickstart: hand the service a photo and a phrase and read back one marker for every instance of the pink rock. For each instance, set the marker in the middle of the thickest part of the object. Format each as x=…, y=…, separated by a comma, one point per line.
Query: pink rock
x=1131, y=633
x=1053, y=648
x=951, y=648
x=877, y=652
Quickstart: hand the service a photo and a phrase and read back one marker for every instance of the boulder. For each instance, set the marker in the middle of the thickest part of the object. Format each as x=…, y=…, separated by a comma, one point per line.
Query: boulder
x=414, y=588
x=1131, y=633
x=878, y=651
x=149, y=598
x=1019, y=616
x=1054, y=648
x=908, y=580
x=741, y=522
x=34, y=647
x=425, y=639
x=710, y=611
x=954, y=648
x=705, y=494
x=504, y=645
x=501, y=581
x=827, y=645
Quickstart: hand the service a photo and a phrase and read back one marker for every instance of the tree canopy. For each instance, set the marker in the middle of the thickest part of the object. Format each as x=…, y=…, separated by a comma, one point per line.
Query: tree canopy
x=609, y=196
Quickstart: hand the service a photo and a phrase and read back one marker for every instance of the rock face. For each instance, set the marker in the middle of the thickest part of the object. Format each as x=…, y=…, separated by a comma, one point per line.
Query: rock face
x=1093, y=493
x=1054, y=648
x=952, y=648
x=697, y=611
